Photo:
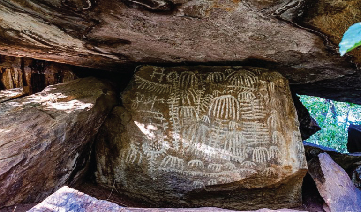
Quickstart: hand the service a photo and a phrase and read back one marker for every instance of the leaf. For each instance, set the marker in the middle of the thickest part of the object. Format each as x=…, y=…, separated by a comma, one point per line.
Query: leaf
x=351, y=39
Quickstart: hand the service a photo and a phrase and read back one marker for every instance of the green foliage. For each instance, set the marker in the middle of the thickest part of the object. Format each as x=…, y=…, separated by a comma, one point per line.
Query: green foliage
x=334, y=118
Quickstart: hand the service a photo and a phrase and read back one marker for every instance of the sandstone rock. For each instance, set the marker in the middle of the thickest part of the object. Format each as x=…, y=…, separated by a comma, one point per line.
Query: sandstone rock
x=354, y=138
x=308, y=125
x=334, y=184
x=68, y=199
x=45, y=138
x=204, y=136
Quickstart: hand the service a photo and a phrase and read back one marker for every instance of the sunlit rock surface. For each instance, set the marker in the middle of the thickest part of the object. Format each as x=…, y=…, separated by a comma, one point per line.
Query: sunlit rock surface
x=45, y=138
x=334, y=185
x=204, y=136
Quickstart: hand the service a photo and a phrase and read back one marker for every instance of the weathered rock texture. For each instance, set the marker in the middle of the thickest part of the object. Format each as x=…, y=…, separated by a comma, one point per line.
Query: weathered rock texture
x=205, y=136
x=68, y=199
x=32, y=75
x=104, y=34
x=334, y=184
x=45, y=138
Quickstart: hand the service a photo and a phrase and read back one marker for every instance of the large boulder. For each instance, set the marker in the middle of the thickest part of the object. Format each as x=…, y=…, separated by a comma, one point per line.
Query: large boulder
x=204, y=136
x=45, y=138
x=334, y=184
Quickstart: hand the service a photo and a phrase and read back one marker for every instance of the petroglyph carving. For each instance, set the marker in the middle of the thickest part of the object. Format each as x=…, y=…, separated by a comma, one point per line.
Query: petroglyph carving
x=249, y=164
x=273, y=152
x=213, y=127
x=198, y=184
x=243, y=78
x=215, y=77
x=270, y=171
x=188, y=80
x=260, y=155
x=215, y=167
x=229, y=166
x=225, y=107
x=132, y=155
x=171, y=162
x=277, y=138
x=273, y=120
x=159, y=72
x=247, y=171
x=212, y=182
x=196, y=163
x=152, y=86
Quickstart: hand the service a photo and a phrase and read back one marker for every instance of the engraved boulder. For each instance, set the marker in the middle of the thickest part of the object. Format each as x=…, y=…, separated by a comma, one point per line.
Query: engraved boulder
x=204, y=136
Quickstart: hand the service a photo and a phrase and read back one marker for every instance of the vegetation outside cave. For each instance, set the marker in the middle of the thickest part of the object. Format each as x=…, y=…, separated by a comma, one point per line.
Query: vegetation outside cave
x=334, y=118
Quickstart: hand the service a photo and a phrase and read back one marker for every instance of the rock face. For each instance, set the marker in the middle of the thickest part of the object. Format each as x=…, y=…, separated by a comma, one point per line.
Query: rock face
x=45, y=138
x=189, y=136
x=32, y=75
x=354, y=138
x=334, y=184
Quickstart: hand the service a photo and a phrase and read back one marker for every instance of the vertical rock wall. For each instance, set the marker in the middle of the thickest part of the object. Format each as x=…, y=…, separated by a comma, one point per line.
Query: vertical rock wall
x=189, y=135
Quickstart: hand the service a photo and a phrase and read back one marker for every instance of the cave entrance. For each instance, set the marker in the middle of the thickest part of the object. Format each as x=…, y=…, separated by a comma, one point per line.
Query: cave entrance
x=334, y=118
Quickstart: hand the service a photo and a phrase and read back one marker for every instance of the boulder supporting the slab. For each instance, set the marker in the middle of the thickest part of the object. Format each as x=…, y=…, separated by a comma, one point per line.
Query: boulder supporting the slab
x=204, y=136
x=45, y=138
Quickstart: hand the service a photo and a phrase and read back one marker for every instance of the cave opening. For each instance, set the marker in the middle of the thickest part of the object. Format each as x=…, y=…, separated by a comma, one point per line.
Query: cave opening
x=334, y=119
